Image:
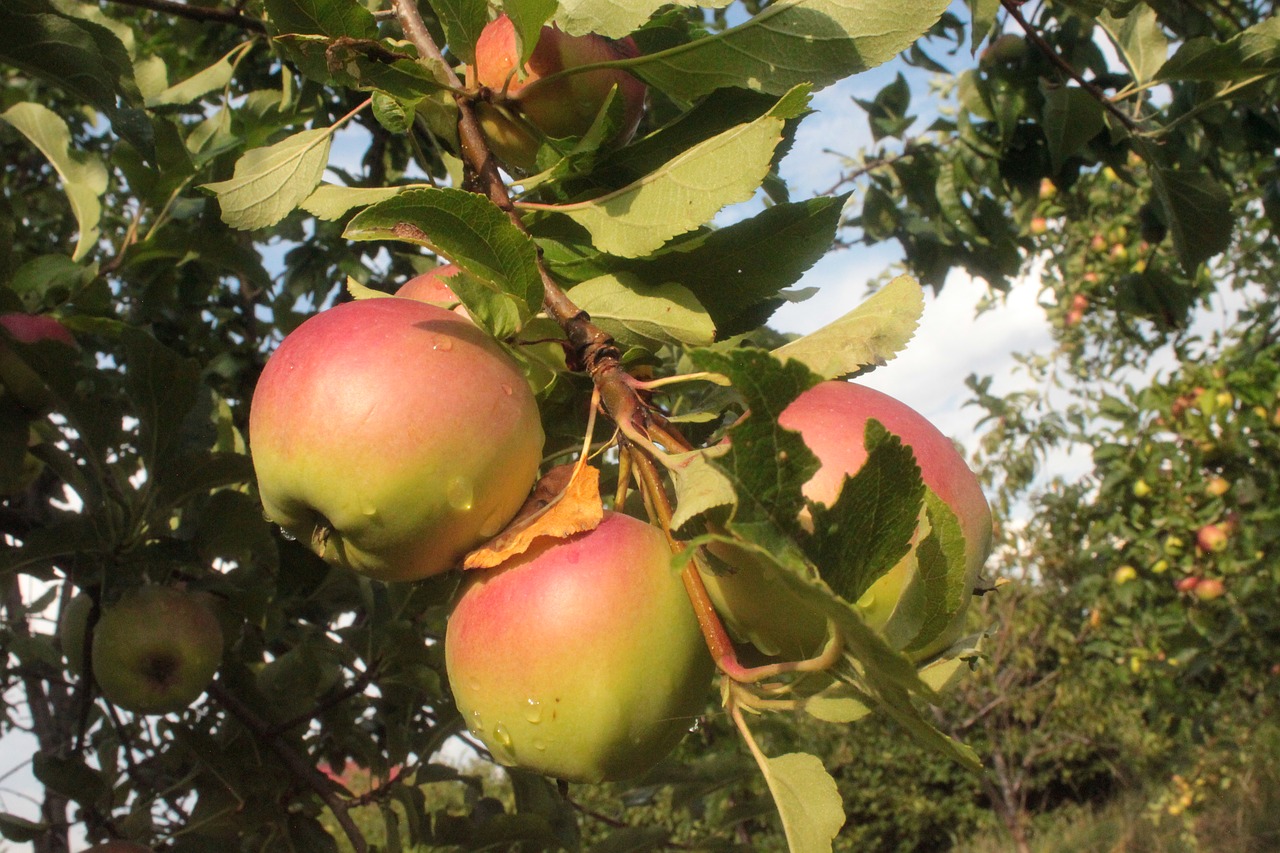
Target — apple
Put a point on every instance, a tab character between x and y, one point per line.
156	649
1187	584
1217	487
1039	225
1213	538
1079	305
1125	574
831	418
580	659
1141	489
22	383
394	436
431	286
1209	589
565	107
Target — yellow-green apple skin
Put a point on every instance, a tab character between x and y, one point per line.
582	658
156	649
17	379
565	107
393	435
831	417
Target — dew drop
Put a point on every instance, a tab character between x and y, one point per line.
502	736
867	601
477	724
696	727
369	511
533	710
507	389
459	493
540	744
443	344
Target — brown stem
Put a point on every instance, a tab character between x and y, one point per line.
355	688
295	763
196	13
1013	7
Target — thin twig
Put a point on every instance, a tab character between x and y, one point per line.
296	764
1013	7
195	13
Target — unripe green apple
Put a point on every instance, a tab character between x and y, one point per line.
393	435
565	107
1125	574
16	376
156	649
580	659
831	418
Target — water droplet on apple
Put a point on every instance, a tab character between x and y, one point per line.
459	493
477	725
867	601
503	739
540	744
443	344
370	511
507	389
533	710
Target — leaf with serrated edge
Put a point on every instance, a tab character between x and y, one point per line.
215	77
1199	213
270	182
330	201
668	313
870	334
700	486
1139	40
688	190
789	43
807	798
84	178
360	291
616	18
466	228
940	573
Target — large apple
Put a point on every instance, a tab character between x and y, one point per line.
156	649
565	107
16	376
831	418
393	435
580	659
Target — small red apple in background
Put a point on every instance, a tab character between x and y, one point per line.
393	435
1213	538
831	418
156	649
1187	584
1209	589
16	376
1039	225
431	286
1079	305
565	107
580	659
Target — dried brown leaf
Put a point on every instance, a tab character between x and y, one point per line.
564	502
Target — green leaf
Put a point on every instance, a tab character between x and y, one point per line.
469	230
211	79
330	201
1071	118
331	18
788	44
72	778
688	190
1251	53
807	798
939	587
84	178
870	334
462	21
636	314
869	528
20	829
982	13
164	387
529	16
269	183
632	839
1140	40
394	115
616	18
700	485
1198	210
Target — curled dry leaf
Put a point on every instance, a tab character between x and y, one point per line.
564	502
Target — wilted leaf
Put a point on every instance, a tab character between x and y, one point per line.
870	334
564	502
700	486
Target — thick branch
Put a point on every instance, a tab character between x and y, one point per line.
196	13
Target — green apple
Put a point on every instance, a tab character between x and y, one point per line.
17	378
831	418
564	107
156	649
582	658
393	435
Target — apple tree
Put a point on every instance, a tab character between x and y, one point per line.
263	516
